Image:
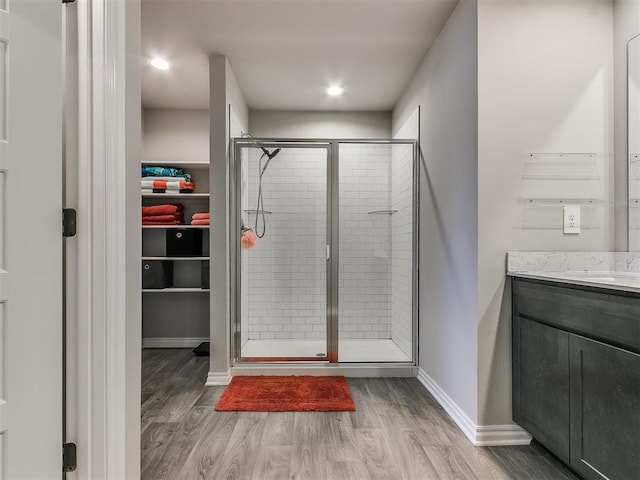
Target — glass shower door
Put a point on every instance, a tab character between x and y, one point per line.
282	254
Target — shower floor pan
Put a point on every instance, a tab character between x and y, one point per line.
350	351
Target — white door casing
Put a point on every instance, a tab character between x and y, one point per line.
30	227
106	423
4	276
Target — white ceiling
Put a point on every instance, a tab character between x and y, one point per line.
284	53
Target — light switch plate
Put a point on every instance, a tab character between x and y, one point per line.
572	219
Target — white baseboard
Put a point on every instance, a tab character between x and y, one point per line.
497	435
479	435
218	378
461	419
173	342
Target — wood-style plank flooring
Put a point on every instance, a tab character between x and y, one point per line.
397	432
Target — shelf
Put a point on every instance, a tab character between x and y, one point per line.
382	212
181	227
176	164
174	290
176	258
175	195
253	212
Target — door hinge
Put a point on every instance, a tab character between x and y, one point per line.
68	222
69	461
68	1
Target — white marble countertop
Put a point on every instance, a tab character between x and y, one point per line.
611	270
627	282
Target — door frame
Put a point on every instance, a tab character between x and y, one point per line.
235	216
106	345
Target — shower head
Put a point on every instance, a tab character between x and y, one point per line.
260	205
269	155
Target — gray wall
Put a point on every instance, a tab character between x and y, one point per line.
228	117
287	124
174	135
445	87
626	25
548	89
503	79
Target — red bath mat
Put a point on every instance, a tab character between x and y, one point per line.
286	394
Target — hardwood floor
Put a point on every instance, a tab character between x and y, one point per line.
397	432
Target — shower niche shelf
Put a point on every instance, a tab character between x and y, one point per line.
382	212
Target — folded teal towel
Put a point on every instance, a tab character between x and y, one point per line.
162	172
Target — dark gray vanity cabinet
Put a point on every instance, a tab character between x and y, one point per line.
576	375
605	410
541	384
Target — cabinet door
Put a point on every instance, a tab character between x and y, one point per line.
541	383
605	410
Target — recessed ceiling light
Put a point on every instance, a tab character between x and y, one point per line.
160	63
335	91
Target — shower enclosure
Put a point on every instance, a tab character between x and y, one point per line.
332	276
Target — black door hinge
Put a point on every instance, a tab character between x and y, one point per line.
68	222
68	1
69	461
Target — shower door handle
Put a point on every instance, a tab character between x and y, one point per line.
328	252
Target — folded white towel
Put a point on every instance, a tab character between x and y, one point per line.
168	190
168	179
171	185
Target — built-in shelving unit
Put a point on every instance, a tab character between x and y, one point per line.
179	311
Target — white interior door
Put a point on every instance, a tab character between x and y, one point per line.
30	233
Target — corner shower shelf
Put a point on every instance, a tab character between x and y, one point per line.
382	212
253	212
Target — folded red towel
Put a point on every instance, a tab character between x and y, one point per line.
164	209
174	222
162	218
200	222
200	216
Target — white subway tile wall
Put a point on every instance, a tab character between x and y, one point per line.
402	247
365	242
285	292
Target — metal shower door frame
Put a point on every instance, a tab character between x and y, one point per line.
235	216
332	239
